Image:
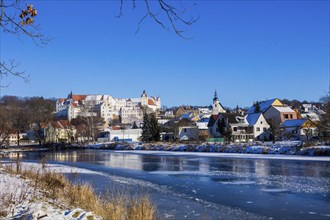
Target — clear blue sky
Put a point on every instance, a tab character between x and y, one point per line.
246	50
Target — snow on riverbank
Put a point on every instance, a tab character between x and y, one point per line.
283	147
20	200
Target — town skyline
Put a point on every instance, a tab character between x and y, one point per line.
272	50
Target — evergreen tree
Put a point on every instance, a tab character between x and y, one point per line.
155	128
146	129
257	107
134	126
150	129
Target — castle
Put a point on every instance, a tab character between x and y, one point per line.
126	110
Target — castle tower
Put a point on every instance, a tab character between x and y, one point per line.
217	107
144	99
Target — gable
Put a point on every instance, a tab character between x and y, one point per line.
277	103
252	119
213	119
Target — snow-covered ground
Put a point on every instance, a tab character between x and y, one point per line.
20	200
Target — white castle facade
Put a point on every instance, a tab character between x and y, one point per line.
127	110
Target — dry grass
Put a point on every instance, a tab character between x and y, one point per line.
110	206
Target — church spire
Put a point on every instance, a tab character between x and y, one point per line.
215	96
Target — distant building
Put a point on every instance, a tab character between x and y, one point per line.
274	109
238	127
265	105
280	113
129	135
299	129
188	133
169	114
311	112
107	107
60	131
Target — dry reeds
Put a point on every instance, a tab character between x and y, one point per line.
109	206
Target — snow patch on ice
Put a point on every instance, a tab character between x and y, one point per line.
275	190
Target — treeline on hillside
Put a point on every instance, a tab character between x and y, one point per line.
21	114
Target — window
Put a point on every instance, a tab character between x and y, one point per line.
235	128
260	122
286	116
291	116
265	129
258	129
185	130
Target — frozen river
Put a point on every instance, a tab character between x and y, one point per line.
210	186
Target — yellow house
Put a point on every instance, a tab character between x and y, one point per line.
302	129
60	131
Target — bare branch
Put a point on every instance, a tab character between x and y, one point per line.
10	69
121	9
164	13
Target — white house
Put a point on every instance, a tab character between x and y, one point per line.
188	133
128	135
259	124
241	128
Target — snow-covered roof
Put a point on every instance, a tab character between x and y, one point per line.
136	99
283	109
186	115
204	120
293	123
311	115
94	97
262	105
253	118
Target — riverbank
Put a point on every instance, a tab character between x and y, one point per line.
20	198
285	148
41	191
277	148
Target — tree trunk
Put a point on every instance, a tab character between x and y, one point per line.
18	138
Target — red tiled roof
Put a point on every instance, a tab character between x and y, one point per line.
62	124
78	97
151	102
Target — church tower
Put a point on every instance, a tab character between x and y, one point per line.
217	107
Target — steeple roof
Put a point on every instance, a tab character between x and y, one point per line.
215	96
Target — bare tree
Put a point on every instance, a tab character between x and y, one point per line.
40	111
6	124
